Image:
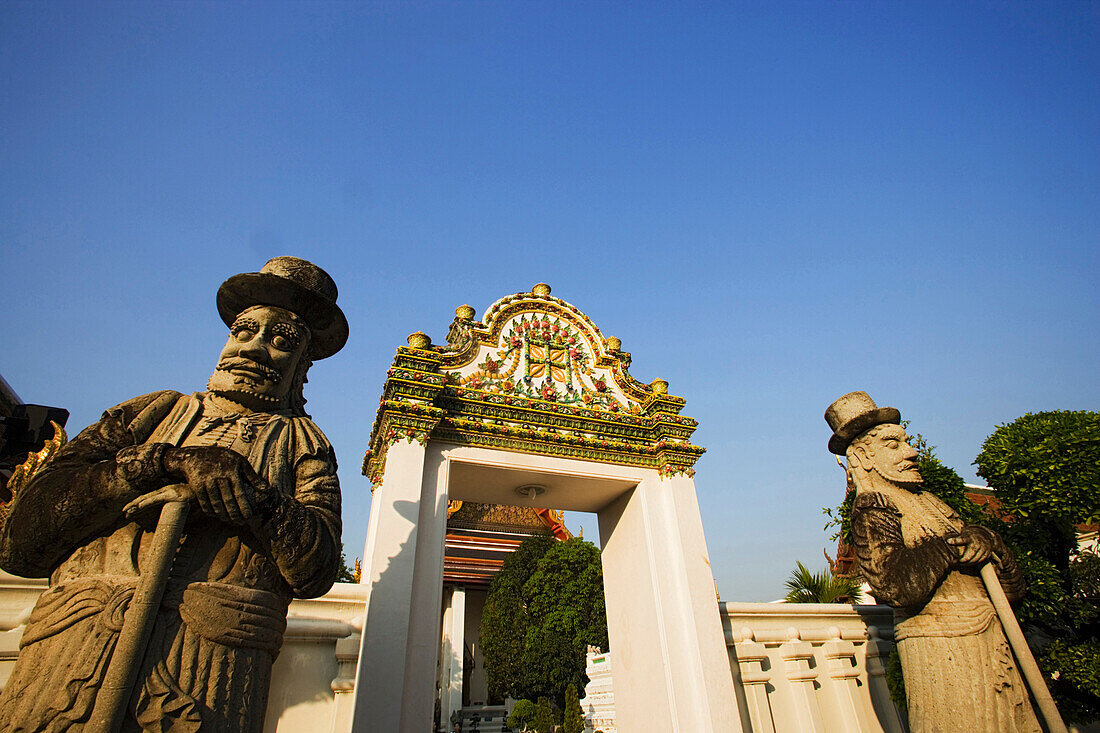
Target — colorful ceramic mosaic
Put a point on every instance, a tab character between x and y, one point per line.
534	375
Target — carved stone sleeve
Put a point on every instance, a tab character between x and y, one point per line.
81	492
302	532
903	577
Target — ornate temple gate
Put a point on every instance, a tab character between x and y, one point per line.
532	405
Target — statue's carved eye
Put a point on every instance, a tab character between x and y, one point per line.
243	334
285	337
892	445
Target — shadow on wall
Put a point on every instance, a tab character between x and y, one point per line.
304	672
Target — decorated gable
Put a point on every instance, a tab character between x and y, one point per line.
545	356
533	375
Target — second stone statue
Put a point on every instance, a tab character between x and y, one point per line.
920	558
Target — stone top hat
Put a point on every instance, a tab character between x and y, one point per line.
300	287
852	414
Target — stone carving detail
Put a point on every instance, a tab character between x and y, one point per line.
920	558
498	516
259	482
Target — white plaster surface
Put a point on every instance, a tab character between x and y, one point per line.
672	672
307	689
403	565
598	702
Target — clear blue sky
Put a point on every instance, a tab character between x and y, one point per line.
770	204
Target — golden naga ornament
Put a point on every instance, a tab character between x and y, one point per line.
26	470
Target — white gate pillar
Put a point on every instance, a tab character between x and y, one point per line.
403	564
454	646
672	671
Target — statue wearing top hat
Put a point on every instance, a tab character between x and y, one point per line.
920	558
259	525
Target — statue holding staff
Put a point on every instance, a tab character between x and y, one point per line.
258	483
919	557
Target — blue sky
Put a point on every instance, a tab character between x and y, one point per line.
770	204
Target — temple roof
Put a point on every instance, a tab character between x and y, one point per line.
505	518
534	375
481	536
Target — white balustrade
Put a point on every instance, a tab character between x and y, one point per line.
813	667
796	667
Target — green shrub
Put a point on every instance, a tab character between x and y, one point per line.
523	714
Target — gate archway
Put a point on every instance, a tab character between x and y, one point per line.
532	394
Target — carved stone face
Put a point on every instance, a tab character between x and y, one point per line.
256	367
889	454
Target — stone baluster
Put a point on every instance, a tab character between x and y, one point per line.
844	673
879	649
798	664
343	685
755	672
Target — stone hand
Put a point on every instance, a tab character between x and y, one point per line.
974	545
220	481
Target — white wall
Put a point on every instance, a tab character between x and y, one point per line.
796	667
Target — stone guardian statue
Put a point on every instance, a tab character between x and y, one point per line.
920	558
263	526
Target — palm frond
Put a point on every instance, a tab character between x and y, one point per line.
805	586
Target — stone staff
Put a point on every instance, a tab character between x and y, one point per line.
1028	667
122	670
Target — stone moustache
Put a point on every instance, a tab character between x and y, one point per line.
263	526
919	557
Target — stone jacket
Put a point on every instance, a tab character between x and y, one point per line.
900	539
68	523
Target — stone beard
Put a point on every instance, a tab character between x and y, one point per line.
263	527
919	557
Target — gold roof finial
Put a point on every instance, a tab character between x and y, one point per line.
541	289
419	340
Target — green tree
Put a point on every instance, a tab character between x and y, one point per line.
565	605
346	574
573	717
504	619
543	610
806	587
1045	468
